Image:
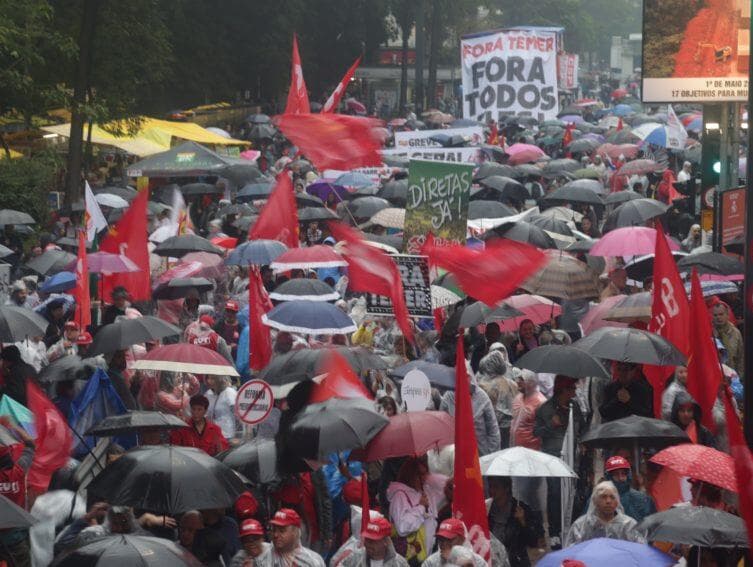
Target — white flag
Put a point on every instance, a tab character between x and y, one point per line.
677	136
95	220
567	485
180	219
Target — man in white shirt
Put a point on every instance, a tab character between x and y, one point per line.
686	173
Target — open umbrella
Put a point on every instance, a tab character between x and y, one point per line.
255	459
195	189
179	287
110	200
488	210
167	480
695	525
68	367
631	345
710	288
534	307
306	200
51	262
395	191
629	241
523	153
642	267
711	263
575	194
128	332
367	207
561	213
701	463
523	462
563	359
10	216
186	357
439	375
526	170
443	297
489	168
622	197
480	312
109	263
565	277
304	289
254	191
635	212
611	552
389	218
507	187
319	256
631	308
13	516
256	252
60	282
409	434
597	315
19	323
125	549
640	167
644	431
557	167
307	214
179	246
309	318
523	231
135	422
550	224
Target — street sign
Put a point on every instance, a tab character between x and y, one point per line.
254	402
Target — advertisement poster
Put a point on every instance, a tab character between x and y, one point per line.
696	52
733	215
414	271
437	203
509	72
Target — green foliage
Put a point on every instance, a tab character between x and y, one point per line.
24	184
664	29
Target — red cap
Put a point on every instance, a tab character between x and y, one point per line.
378	528
232	306
84	338
72	325
207	320
451	528
286	517
251	527
246	505
616	463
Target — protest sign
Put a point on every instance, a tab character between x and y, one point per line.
254	402
414	272
509	72
567	71
421	139
451	155
437	203
415	391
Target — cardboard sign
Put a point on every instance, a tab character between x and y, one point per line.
414	271
254	402
415	391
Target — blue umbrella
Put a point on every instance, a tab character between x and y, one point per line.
612	552
309	318
354	179
695	125
253	191
256	252
623	110
439	375
710	288
60	282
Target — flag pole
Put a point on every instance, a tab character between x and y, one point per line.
748	287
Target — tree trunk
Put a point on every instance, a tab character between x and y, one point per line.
420	48
4	144
436	42
73	191
404	34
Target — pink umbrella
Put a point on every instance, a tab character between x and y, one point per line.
629	241
251	155
534	307
523	153
595	318
108	263
614	151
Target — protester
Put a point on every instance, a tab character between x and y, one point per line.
286	549
730	336
201	433
686	414
450	534
377	547
221	396
636	504
254	546
513	522
629	394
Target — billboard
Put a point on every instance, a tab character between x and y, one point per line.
733	215
509	72
695	51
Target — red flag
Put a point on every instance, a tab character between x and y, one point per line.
278	219
334	99
334	141
567	137
704	370
129	237
53	441
260	342
743	458
468	503
620	126
81	292
670	314
371	270
298	96
340	381
365	508
491	274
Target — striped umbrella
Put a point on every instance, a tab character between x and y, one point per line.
636	307
564	277
710	288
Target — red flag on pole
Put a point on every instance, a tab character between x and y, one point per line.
670	314
278	219
81	292
567	137
365	507
371	270
340	381
298	96
260	342
129	237
334	99
743	458
334	141
53	441
468	503
704	370
491	274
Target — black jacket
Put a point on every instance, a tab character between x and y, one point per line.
516	537
551	436
641	400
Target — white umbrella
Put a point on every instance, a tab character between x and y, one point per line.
519	461
110	200
563	214
389	218
219	132
443	297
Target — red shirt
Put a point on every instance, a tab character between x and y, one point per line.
13	485
211	440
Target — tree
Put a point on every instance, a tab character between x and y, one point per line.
404	13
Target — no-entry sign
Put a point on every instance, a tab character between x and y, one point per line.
254	402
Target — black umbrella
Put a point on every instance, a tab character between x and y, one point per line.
244	223
641	268
254	191
590	184
711	263
333	426
558	166
128	332
195	189
261	132
9	216
394	240
13	516
125	550
134	422
583	145
69	367
396	192
695	525
507	187
563	359
522	231
255	459
179	287
631	345
439	375
307	214
526	170
259	119
51	262
19	323
447	141
241	171
634	213
256	252
622	197
581	245
238	209
306	200
367	207
550	224
304	288
482	209
574	195
490	168
167	480
179	246
644	431
480	312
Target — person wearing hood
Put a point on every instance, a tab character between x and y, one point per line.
605	518
501	390
694	238
451	533
354	542
484	417
686	414
377	547
636	504
665	191
524	407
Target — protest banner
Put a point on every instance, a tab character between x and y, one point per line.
451	155
414	272
509	72
567	71
421	139
437	203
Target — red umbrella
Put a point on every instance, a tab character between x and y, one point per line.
225	242
186	357
319	256
409	434
640	167
619	93
700	463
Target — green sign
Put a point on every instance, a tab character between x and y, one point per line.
437	203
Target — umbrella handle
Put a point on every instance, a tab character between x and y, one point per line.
85	444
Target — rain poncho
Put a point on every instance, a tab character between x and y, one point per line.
408	516
524	407
590	526
301	557
635	503
359	558
353	543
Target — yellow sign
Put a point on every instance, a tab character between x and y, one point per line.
707	220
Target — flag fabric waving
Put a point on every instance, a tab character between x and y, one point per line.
340	381
670	314
370	270
53	438
180	220
260	342
743	458
81	292
491	274
298	96
95	219
334	99
278	219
